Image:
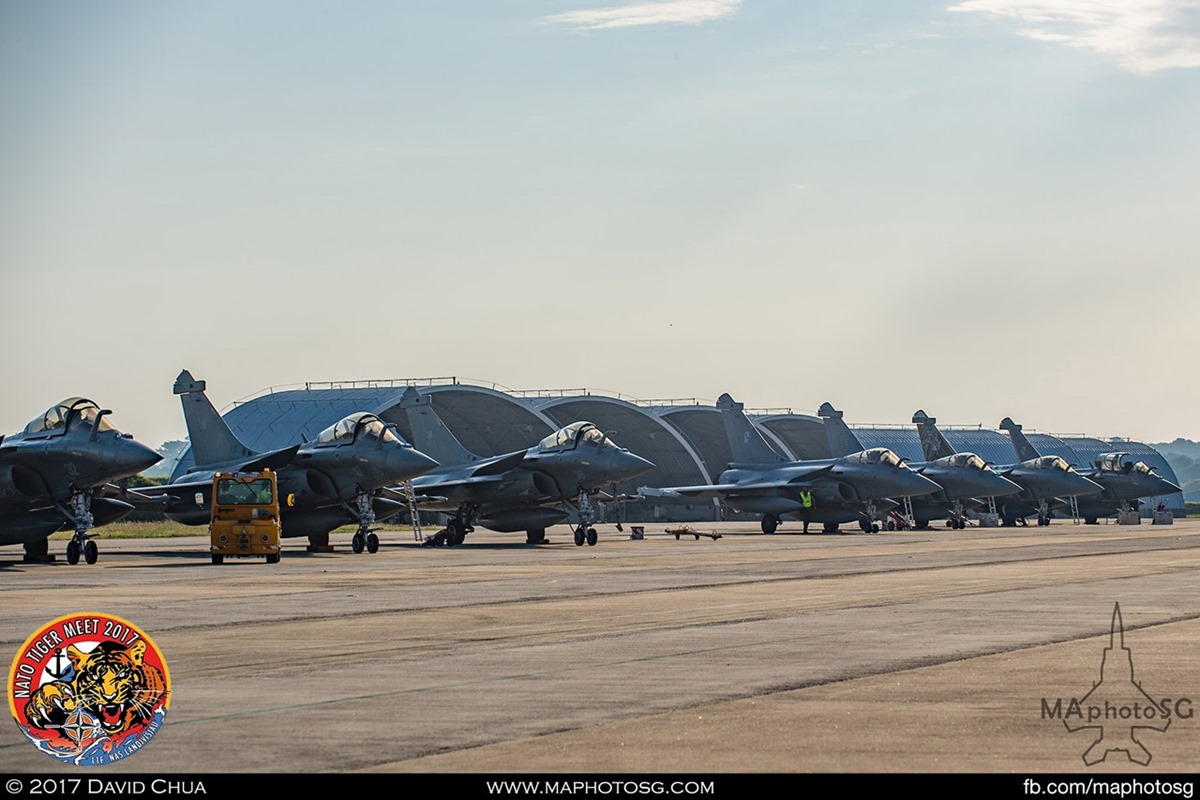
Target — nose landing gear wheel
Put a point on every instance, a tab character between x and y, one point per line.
592	537
372	543
72	552
90	552
580	536
357	543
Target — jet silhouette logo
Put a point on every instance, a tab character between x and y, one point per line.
1117	708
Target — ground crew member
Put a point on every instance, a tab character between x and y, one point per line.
806	507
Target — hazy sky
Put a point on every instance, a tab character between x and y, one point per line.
983	209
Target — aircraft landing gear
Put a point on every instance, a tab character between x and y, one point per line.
829	527
364	512
457	530
770	524
584	532
37	551
536	536
80	512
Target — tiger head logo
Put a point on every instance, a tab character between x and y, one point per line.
94	699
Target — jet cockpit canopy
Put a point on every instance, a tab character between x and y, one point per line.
361	424
876	455
66	414
574	435
1120	462
1051	462
965	461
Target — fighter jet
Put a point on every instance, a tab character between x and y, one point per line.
1124	483
963	478
527	490
1121	481
53	475
336	480
1044	481
849	488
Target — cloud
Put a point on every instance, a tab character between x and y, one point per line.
1145	36
690	12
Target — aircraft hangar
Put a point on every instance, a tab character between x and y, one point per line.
685	439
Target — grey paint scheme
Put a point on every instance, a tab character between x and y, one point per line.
332	483
964	479
527	490
54	478
758	480
1122	482
1043	482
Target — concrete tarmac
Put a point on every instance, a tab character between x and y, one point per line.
910	651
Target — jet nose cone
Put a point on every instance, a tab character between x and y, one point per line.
1163	486
998	485
907	483
133	457
408	462
628	465
1081	485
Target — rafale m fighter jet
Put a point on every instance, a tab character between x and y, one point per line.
849	488
333	481
52	475
1045	481
1122	482
962	477
967	481
527	490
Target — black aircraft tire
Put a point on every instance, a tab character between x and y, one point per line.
37	551
1091	520
372	543
592	537
770	524
90	552
357	543
830	527
72	552
579	537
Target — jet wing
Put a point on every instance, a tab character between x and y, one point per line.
717	489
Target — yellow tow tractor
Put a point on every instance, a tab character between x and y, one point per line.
245	516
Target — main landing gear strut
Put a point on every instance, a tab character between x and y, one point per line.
80	513
584	532
364	537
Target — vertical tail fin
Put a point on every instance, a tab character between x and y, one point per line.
746	443
1021	446
430	434
842	441
933	444
212	440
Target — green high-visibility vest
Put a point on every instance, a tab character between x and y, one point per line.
806	498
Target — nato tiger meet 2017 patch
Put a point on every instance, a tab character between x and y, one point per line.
89	689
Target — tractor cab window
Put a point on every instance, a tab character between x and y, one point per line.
244	493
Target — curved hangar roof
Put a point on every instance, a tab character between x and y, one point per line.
485	421
676	463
